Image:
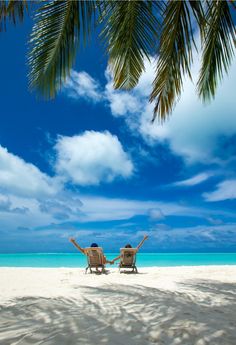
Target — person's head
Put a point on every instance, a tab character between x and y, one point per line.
94	245
128	246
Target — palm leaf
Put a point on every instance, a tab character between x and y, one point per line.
218	47
12	10
54	40
130	33
198	11
175	57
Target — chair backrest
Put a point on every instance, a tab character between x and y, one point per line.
128	256
94	256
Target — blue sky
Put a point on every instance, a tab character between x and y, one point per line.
90	164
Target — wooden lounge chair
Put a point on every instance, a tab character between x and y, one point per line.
128	259
95	259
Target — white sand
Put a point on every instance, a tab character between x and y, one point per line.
164	306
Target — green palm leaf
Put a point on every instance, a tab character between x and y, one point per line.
12	10
175	57
54	40
130	33
218	47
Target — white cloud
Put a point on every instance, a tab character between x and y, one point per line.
156	214
102	209
31	217
23	191
92	158
64	207
82	85
121	102
21	178
226	190
7	207
193	130
201	236
197	179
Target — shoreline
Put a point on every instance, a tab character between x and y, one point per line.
183	305
112	268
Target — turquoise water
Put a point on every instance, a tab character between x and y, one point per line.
143	259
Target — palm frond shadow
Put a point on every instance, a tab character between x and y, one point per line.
124	314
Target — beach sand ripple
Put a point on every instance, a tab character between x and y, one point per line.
165	306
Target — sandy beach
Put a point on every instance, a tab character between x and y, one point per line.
166	306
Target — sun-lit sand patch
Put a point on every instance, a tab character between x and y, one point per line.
167	306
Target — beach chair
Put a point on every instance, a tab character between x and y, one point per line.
95	259
128	259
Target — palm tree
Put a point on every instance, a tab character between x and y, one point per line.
131	31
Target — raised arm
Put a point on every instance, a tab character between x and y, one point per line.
72	240
141	243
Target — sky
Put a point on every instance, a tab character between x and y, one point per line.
91	165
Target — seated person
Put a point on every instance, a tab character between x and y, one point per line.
84	250
129	246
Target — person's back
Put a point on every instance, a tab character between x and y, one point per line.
95	258
95	251
130	251
127	256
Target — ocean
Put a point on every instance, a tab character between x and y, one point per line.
143	259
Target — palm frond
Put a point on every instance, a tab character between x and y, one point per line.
198	10
13	11
55	37
130	33
218	47
175	57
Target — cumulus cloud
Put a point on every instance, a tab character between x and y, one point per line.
7	207
21	178
225	190
92	158
82	85
194	131
121	102
193	181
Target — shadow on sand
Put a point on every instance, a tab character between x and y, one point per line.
123	314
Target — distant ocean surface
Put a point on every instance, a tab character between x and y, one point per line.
143	259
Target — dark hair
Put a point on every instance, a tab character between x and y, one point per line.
128	246
94	245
